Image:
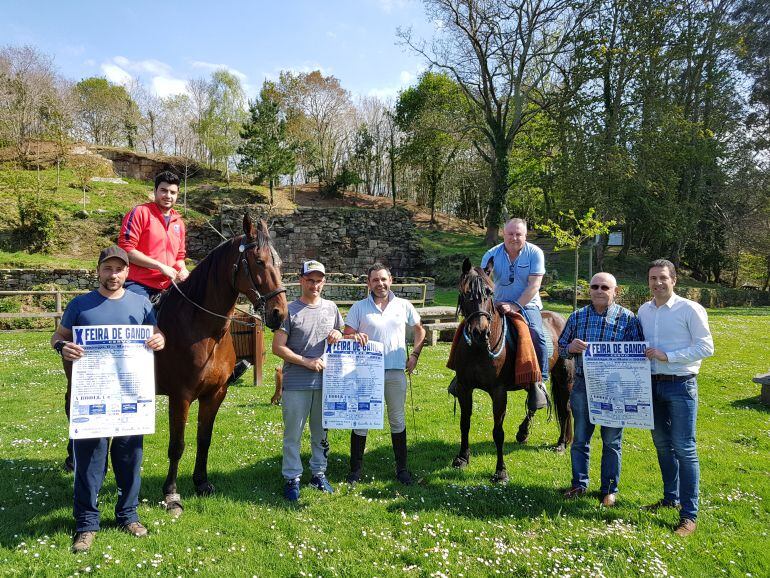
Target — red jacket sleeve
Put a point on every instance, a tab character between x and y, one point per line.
131	228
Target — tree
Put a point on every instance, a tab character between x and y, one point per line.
223	119
577	233
105	113
502	54
433	117
265	150
27	95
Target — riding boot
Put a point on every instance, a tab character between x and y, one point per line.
537	398
239	369
399	449
452	388
357	446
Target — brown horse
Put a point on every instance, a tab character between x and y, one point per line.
199	356
484	359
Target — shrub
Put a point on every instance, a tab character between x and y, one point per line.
37	229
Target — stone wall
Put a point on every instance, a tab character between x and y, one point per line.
27	279
345	240
71	279
127	163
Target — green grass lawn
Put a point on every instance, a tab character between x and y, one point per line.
453	523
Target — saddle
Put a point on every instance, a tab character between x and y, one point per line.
527	369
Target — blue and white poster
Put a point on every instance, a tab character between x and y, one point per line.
113	384
354	385
618	384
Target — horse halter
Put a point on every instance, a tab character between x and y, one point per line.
480	291
261	300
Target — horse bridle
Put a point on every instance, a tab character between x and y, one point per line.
484	294
261	300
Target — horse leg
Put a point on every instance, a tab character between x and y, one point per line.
178	408
208	407
560	391
524	427
465	397
499	405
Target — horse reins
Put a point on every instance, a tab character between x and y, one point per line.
261	300
478	290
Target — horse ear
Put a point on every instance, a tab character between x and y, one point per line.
248	227
490	266
466	266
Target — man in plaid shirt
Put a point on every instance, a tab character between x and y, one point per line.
602	320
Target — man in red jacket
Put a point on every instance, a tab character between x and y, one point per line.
153	235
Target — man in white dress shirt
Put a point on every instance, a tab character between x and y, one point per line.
678	334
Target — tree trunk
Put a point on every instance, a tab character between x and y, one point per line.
499	195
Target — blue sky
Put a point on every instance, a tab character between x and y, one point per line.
165	43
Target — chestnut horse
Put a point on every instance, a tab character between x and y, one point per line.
199	357
484	359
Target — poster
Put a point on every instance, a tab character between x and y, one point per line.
353	385
618	384
113	384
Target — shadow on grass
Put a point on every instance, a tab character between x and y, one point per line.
754	403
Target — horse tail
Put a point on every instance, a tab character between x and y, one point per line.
560	390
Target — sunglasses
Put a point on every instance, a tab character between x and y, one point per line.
602	287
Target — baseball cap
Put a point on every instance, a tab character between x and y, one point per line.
311	266
115	252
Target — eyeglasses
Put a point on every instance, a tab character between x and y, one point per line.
602	287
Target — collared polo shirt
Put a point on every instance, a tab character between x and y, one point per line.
512	277
388	326
680	328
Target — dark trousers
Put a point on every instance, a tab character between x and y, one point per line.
90	470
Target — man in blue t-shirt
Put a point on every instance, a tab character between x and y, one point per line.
518	269
110	304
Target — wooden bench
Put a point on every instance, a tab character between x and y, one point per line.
435	332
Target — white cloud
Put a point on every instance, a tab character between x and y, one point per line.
150	66
162	81
406	78
115	74
388	5
164	86
214	67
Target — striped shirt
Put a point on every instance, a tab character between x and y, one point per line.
615	324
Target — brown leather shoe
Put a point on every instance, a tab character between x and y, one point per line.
685	527
82	541
608	500
574	493
135	529
661	505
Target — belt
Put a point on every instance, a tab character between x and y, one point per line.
665	377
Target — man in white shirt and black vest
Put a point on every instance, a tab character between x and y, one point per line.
678	334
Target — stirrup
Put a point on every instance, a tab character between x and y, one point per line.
537	398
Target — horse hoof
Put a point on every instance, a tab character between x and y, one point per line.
560	448
173	503
522	436
460	462
500	477
204	489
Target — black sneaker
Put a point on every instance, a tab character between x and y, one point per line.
291	491
404	477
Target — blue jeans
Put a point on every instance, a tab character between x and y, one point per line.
580	452
140	289
90	469
675	405
535	321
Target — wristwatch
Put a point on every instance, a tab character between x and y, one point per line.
59	347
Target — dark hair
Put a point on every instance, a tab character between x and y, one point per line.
663	263
377	267
166	177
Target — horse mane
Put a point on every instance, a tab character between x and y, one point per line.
196	284
475	282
